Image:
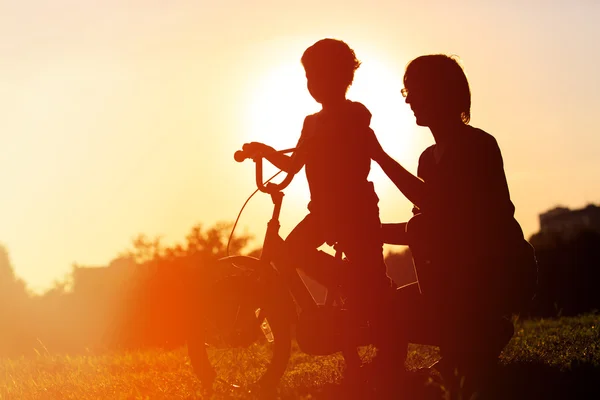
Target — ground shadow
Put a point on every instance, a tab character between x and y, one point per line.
523	380
535	380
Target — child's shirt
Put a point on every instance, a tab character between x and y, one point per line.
337	164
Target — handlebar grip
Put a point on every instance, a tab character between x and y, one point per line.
240	156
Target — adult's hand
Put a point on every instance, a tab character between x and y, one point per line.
411	186
376	152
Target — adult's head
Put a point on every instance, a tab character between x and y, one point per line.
329	65
437	90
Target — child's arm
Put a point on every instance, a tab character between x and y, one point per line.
309	129
290	164
279	160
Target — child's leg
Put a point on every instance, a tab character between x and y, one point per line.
367	278
371	294
306	235
361	240
301	246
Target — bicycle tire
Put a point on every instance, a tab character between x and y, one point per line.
247	291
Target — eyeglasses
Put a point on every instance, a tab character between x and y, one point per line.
404	92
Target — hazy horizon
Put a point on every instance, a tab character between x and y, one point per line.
120	119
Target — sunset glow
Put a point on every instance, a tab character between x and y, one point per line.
278	101
120	119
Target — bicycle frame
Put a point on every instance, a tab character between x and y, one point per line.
281	289
290	278
394	234
290	275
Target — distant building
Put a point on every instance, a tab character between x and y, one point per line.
567	222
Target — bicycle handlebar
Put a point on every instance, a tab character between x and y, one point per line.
241	156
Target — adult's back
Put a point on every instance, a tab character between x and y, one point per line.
471	221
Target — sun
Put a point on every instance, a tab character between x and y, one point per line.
277	107
378	86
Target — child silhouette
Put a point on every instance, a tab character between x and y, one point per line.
333	148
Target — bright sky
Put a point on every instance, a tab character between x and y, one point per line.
121	118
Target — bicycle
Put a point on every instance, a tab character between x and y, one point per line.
254	305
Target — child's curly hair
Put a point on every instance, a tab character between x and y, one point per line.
333	56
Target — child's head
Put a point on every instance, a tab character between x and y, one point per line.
329	65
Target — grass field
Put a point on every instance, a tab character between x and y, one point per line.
547	359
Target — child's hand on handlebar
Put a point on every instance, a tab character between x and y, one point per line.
256	149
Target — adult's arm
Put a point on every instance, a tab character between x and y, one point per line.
411	186
394	234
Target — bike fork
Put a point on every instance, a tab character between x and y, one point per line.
273	243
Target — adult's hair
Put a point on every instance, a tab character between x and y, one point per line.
332	56
441	76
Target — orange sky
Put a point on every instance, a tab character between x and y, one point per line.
119	119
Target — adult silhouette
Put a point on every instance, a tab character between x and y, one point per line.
474	266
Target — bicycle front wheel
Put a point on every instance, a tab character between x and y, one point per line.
242	336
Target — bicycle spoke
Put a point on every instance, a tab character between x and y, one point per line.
232	363
240	342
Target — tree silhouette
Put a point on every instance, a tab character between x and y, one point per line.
14	305
204	244
166	285
569	272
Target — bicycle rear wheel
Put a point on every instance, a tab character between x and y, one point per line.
241	337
